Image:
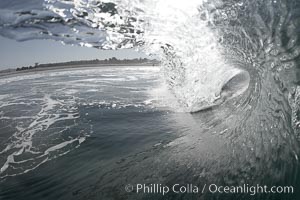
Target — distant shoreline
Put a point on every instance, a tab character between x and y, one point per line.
36	70
78	64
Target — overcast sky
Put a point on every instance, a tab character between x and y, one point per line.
17	54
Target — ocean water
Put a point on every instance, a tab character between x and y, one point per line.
223	107
76	126
87	133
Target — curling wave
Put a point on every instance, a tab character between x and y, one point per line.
242	55
181	34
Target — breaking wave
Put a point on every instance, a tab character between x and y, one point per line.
202	44
212	52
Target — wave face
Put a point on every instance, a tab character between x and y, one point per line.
202	44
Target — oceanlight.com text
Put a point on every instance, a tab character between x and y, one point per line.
211	188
